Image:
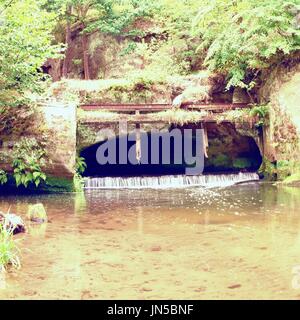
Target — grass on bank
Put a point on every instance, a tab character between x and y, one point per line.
9	252
294	178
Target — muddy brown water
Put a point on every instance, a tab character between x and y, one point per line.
240	242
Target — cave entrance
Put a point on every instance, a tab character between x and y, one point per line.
231	151
228	152
171	152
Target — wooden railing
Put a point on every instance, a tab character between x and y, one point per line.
214	107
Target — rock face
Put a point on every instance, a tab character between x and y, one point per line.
60	121
198	88
240	96
179	90
229	150
113	91
191	95
108	57
281	91
12	223
53	126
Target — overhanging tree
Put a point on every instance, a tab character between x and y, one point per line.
25	44
243	37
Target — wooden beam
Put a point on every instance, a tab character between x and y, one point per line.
162	107
145	121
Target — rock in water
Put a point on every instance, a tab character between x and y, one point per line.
37	213
12	223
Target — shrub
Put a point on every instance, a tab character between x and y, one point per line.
80	165
78	182
3	177
8	249
242	38
262	113
28	157
221	160
241	163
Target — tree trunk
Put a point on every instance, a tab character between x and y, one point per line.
68	43
85	51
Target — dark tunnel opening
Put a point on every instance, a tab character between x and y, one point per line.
228	152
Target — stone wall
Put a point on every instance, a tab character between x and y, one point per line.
60	121
89	134
53	126
281	91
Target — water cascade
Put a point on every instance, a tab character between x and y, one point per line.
171	181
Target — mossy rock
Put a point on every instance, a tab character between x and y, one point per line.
268	170
37	213
221	160
58	184
242	163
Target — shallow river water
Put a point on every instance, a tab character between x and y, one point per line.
195	243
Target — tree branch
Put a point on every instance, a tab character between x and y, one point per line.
7	5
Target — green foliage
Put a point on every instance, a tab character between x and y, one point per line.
3	177
175	19
25	44
286	168
78	183
241	163
107	16
163	24
77	62
137	88
8	250
80	165
58	184
160	60
28	158
241	38
262	113
293	179
167	47
221	160
115	16
268	170
131	47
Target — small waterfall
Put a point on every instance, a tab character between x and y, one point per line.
165	182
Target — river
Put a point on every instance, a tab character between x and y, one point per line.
236	242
